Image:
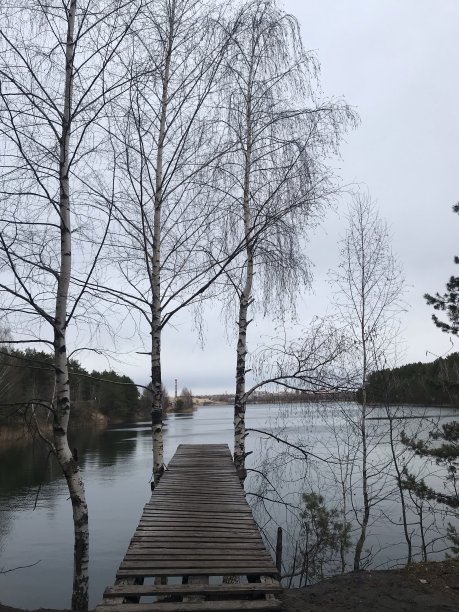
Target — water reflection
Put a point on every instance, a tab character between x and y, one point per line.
26	467
35	515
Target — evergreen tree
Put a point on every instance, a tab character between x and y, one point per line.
446	452
430	384
325	535
27	383
448	302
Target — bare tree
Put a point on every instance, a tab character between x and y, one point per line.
58	69
369	285
275	176
163	132
186	399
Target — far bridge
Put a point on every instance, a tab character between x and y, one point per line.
197	547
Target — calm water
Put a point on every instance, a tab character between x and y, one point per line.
116	465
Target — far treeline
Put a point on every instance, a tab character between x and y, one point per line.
434	383
27	378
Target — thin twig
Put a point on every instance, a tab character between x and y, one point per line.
13	569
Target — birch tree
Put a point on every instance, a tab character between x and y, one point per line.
164	136
58	69
275	176
369	284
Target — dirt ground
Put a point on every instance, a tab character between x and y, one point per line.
422	587
419	587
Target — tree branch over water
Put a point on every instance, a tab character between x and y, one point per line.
306	454
14	569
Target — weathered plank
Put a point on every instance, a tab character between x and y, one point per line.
197	534
203	549
196	507
185	570
261	605
200	606
242	551
204	563
144	590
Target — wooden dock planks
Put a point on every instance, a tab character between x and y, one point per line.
197	524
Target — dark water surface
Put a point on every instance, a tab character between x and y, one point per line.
116	465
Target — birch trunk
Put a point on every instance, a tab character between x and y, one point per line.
400	489
366	501
244	302
240	400
363	416
155	280
62	399
156	380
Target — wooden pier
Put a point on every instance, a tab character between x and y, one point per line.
197	547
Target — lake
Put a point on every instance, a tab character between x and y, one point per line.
35	514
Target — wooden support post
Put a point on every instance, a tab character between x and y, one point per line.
124	599
199	579
279	551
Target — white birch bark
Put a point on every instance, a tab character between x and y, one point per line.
51	111
165	138
241	355
157	412
244	298
275	167
363	414
62	396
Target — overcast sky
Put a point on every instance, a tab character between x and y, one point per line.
397	63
